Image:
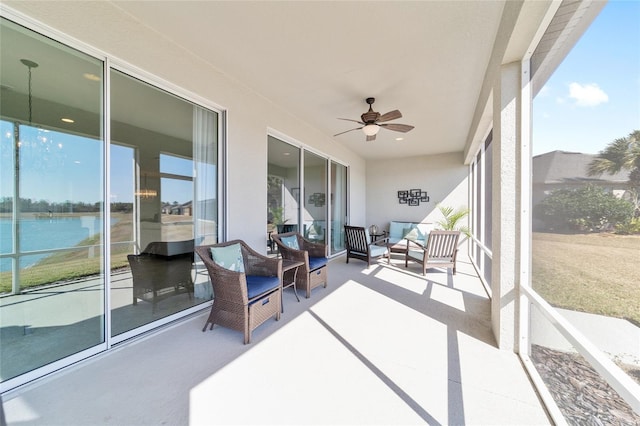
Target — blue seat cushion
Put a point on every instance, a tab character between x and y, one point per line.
317	262
257	284
377	250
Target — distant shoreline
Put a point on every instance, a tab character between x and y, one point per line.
53	215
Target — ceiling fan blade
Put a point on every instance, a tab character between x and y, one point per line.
371	138
397	127
346	131
348	119
391	115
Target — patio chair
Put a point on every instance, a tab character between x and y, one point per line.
440	250
160	266
359	245
293	246
247	286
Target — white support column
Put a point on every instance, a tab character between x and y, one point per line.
506	228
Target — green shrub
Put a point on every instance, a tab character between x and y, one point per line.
584	209
631	227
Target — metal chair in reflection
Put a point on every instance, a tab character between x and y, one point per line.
161	266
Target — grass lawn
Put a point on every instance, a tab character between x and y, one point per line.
595	273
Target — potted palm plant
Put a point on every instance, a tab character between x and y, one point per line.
452	219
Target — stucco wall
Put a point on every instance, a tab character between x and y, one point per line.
443	177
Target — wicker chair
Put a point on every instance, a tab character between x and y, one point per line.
359	244
243	301
314	256
440	250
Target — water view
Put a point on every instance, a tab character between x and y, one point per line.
46	233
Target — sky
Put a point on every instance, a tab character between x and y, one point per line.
593	97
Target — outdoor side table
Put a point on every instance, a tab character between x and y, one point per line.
376	237
289	279
400	247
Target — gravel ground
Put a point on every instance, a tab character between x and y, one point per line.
584	398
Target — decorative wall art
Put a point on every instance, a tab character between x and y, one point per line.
412	197
317	199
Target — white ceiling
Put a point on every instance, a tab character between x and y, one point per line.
321	60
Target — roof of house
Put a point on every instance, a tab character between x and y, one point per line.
565	167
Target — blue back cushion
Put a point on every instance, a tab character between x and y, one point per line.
291	242
229	257
396	228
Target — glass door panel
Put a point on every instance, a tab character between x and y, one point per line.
52	284
169	140
314	225
283	189
338	206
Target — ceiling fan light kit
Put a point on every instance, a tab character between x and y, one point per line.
371	129
371	120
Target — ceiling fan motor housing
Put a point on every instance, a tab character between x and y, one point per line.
370	116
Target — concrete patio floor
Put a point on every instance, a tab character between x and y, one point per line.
380	345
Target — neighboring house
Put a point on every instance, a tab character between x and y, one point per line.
181	209
562	169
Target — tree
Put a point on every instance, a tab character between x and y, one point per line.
621	154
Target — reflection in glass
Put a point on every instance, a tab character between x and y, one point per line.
51	195
315	198
283	188
158	160
338	206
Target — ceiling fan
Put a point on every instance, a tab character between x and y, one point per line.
372	122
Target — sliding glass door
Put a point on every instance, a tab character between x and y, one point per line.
52	281
74	204
315	198
154	203
283	189
338	206
287	167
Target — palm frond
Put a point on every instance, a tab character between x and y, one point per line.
451	219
